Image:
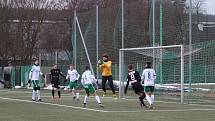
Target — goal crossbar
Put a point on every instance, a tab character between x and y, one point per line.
147	48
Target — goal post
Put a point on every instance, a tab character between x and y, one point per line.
169	67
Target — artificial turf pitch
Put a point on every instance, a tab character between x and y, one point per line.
16	105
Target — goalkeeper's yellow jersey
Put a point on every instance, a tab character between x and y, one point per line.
106	68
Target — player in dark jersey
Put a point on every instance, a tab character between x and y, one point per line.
55	81
135	79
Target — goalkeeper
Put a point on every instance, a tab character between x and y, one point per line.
105	67
88	80
135	79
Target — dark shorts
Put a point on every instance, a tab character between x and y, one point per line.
56	84
7	77
105	78
149	89
138	88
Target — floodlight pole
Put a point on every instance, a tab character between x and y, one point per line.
190	46
40	59
153	30
97	39
122	23
56	57
121	55
75	40
182	74
161	41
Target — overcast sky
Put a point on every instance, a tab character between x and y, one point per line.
210	6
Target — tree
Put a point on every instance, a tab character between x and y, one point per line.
21	26
198	7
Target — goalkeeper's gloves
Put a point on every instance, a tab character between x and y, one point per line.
100	62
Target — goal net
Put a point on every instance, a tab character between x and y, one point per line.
168	63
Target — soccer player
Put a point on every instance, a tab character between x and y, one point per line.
54	76
87	80
34	77
149	77
105	67
135	79
7	75
73	76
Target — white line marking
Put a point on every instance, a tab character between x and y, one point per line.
179	103
67	106
110	111
180	110
90	109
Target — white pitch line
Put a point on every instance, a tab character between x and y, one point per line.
113	111
10	91
180	104
64	96
180	110
124	111
67	106
90	109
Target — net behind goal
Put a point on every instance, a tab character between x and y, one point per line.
168	63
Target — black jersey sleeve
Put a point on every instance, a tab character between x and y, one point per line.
61	73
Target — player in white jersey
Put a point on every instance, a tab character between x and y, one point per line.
34	78
73	76
88	80
149	77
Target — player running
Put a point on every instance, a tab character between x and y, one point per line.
73	76
135	79
55	81
149	77
87	80
34	77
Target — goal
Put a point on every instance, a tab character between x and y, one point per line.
168	62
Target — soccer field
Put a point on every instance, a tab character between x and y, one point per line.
16	105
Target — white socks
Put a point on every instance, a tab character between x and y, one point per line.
149	99
73	94
85	99
97	99
38	94
77	95
34	95
152	98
